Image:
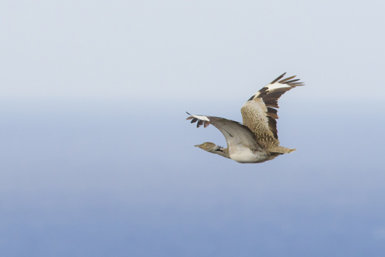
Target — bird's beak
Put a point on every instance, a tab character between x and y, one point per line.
196	145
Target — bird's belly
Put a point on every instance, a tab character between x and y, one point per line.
244	155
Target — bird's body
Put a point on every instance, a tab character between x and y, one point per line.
244	154
256	140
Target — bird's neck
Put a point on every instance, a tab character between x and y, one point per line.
221	151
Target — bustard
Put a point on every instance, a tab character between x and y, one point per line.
256	140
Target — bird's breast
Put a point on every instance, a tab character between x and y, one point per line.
244	154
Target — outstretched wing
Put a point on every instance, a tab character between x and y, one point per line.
260	112
234	132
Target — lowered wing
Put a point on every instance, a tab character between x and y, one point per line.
234	132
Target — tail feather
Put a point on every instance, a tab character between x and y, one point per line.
281	150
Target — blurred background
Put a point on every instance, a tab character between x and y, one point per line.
98	160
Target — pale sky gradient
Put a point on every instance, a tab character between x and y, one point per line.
98	160
162	50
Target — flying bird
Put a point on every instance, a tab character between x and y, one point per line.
256	140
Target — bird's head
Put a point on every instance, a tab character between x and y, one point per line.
207	146
213	148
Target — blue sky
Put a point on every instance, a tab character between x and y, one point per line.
98	160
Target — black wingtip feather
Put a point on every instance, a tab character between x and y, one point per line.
278	78
284	81
291	81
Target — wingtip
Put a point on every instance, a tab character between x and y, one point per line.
278	78
189	117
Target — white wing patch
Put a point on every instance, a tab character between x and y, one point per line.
202	120
275	86
271	87
200	117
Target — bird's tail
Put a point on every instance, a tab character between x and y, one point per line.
281	150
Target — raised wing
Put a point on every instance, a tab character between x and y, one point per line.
260	112
234	132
